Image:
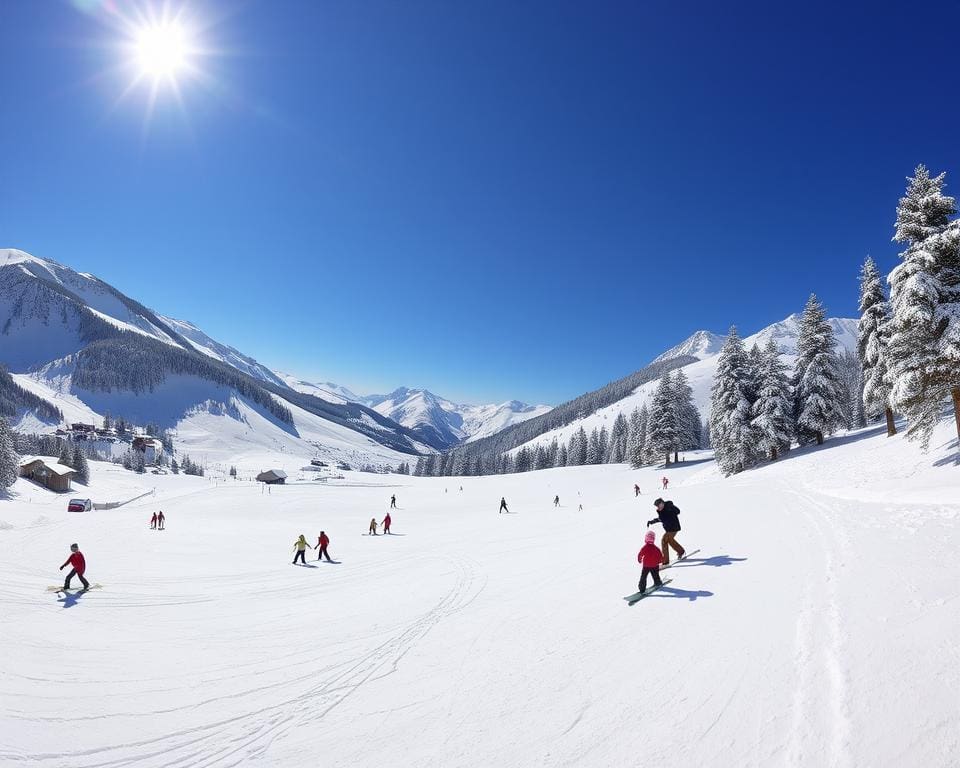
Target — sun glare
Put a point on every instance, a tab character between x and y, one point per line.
162	50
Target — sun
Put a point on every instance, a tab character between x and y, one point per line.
162	50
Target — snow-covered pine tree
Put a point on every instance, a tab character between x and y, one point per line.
872	339
604	444
79	462
561	460
174	467
664	430
635	440
689	424
731	429
540	458
618	440
773	409
9	460
66	454
140	464
580	458
923	358
593	447
817	387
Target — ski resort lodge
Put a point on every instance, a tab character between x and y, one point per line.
47	472
272	477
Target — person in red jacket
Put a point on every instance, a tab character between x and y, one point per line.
153	520
322	541
650	558
79	565
386	523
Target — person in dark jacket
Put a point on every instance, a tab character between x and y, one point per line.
668	516
503	505
77	567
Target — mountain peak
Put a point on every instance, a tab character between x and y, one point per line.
700	345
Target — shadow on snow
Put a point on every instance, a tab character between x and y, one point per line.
716	561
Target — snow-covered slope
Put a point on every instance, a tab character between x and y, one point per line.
701	372
66	337
325	390
428	414
816	626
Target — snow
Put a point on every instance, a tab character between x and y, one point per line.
701	374
325	390
817	626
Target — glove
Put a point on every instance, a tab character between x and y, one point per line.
61	567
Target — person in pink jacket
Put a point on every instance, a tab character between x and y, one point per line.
650	558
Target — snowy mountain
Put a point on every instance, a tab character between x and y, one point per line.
697	356
76	342
700	345
439	420
325	390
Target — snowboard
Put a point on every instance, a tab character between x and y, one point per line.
679	559
74	589
638	596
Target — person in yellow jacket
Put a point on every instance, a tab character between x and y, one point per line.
300	545
372	531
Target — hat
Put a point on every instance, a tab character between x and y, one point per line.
658	501
74	547
650	537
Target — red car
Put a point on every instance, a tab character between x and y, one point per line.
79	505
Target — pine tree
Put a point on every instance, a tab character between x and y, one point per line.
79	462
561	460
923	357
66	454
603	445
731	428
594	456
773	409
618	440
578	450
690	426
9	460
664	431
872	339
817	388
174	467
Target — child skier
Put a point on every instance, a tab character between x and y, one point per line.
386	523
649	558
372	530
153	520
636	490
556	501
300	545
665	482
322	541
393	502
78	566
160	520
503	505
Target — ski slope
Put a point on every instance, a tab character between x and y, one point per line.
817	627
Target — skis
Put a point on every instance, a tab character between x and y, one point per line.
636	597
74	589
679	559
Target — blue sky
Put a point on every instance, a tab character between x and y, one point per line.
495	200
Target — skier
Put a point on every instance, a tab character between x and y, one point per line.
556	501
300	545
322	541
636	490
77	567
160	520
386	523
649	558
393	502
372	531
503	505
665	482
668	516
153	520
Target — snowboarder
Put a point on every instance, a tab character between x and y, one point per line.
503	504
322	541
636	490
160	520
386	523
668	516
393	502
77	567
372	530
153	520
300	545
665	482
649	558
556	501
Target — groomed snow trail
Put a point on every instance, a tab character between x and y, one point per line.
813	628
